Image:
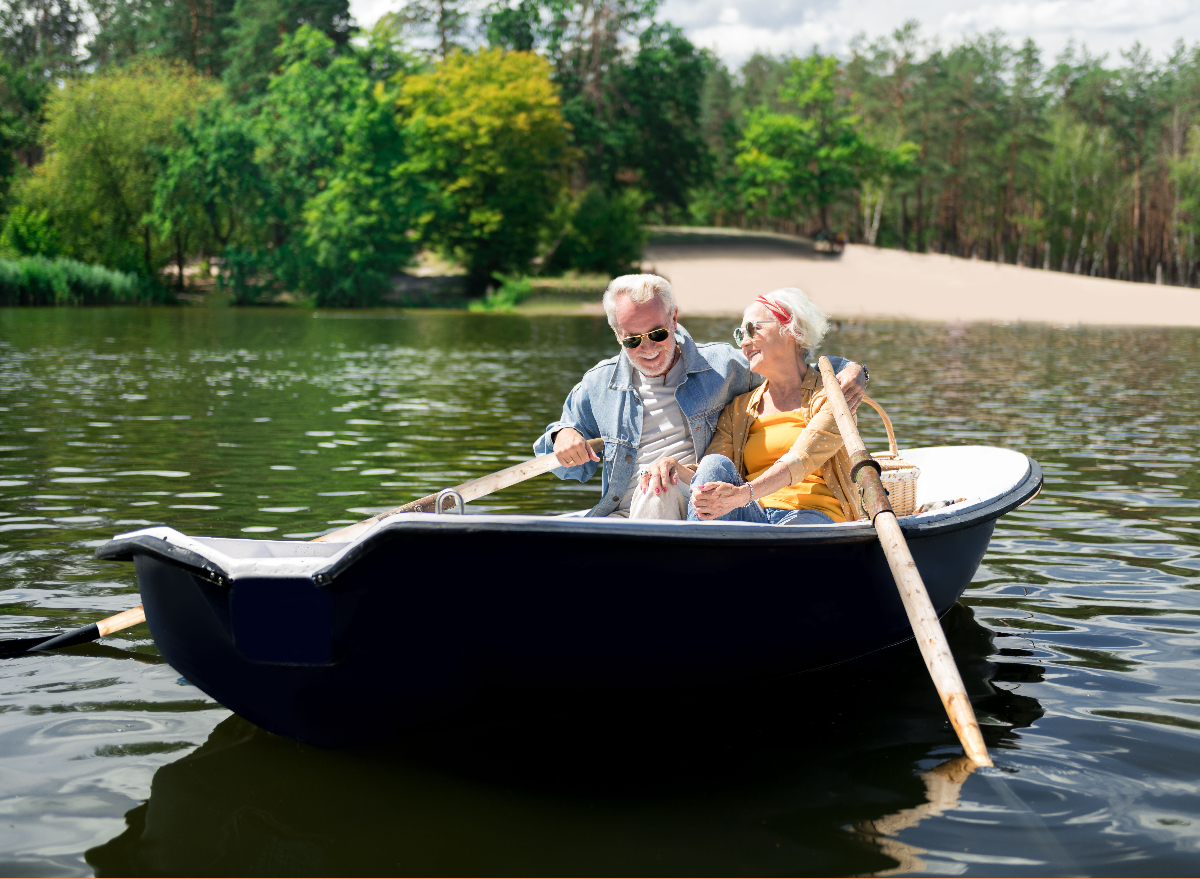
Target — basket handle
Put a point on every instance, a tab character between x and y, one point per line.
887	422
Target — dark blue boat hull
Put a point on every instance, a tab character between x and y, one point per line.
419	615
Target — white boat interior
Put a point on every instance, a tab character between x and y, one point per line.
971	476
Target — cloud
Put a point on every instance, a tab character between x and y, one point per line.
1070	16
735	29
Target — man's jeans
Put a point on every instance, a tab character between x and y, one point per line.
718	468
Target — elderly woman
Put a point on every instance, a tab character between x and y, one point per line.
775	454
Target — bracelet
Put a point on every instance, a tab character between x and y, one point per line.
751	487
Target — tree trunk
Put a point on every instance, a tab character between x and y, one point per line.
1136	273
179	258
920	242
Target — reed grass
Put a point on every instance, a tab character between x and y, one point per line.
38	280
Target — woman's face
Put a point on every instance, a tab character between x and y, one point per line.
770	353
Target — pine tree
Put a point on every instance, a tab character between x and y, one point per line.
443	23
194	31
258	28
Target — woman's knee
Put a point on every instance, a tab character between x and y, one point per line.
716	468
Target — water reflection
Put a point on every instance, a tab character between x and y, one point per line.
809	774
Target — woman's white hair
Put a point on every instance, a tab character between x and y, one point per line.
808	324
639	289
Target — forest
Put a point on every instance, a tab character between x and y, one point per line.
279	147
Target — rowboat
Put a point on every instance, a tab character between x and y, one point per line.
335	643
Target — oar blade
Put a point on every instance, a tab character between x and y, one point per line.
17	646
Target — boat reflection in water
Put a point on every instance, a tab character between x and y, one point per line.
807	774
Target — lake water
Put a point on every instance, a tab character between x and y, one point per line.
1077	638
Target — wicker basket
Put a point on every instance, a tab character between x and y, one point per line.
899	477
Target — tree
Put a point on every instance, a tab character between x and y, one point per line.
210	192
440	22
358	227
38	40
514	27
40	36
104	136
194	31
259	26
603	233
661	139
334	220
811	158
488	137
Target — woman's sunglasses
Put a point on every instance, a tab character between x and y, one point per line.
749	330
659	335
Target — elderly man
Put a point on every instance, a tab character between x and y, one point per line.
661	397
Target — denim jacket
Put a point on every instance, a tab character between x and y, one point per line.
605	404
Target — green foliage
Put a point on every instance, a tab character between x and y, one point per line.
40	37
442	23
630	86
37	280
259	27
790	162
209	185
332	154
489	139
38	42
194	33
103	137
1185	172
660	132
323	165
515	27
601	233
28	232
511	293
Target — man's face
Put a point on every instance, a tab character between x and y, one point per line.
649	358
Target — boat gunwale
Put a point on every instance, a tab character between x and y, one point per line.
677	533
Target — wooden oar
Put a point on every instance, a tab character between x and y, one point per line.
472	490
921	615
123	620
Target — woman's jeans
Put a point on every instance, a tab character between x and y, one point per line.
718	468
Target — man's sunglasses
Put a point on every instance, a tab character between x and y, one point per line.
659	335
749	330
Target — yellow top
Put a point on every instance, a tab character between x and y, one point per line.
770	438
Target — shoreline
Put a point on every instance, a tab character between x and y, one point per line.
720	275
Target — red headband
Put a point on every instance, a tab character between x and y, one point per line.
780	315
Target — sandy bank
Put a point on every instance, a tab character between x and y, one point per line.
718	273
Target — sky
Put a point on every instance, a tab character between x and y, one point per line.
737	28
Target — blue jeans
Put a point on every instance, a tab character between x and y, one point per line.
718	468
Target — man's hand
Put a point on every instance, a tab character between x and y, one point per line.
853	381
572	449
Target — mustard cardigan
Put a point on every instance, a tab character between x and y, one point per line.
819	446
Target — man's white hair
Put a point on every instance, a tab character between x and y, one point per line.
808	324
639	289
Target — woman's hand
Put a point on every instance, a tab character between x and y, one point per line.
714	499
662	474
853	381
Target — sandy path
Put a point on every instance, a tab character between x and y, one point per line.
717	274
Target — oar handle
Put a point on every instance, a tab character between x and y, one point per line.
124	620
469	491
921	614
